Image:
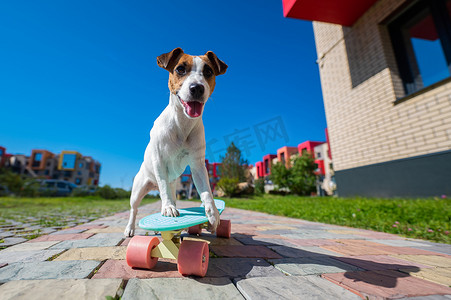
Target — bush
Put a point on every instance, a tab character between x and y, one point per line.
259	186
299	179
229	186
107	192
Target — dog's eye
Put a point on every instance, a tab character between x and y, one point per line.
208	72
180	70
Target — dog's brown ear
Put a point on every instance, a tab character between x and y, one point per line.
169	60
218	65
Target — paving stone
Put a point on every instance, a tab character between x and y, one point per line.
62	237
378	235
313	242
430	260
244	251
88	243
10	257
47	230
309	287
93	253
108	235
437	275
407	251
431	297
212	240
303	251
344	231
241	267
434	247
33	227
60	289
318	235
355	250
30	246
311	265
10	241
6	234
401	243
386	284
274	227
47	270
125	242
69	231
258	240
380	262
387	248
119	269
181	288
89	226
110	229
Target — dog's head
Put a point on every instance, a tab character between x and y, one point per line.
191	78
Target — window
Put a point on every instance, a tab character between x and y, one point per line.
282	157
69	161
80	165
318	154
37	160
78	181
421	38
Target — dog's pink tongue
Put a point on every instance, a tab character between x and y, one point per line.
194	109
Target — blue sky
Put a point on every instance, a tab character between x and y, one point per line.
82	75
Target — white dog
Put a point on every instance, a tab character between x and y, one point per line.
177	138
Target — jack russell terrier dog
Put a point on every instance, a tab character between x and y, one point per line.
177	138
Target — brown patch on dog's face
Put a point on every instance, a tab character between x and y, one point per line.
179	73
209	73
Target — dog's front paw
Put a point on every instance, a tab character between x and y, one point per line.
169	211
213	217
129	231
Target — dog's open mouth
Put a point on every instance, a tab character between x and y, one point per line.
193	108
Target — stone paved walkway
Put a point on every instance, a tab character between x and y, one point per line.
268	257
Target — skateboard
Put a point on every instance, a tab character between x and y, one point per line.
192	256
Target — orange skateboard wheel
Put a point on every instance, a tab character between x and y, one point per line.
224	229
193	258
139	252
194	230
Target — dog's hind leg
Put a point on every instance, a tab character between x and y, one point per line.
141	186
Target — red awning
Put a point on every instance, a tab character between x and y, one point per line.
342	12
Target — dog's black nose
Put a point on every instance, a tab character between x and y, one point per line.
196	90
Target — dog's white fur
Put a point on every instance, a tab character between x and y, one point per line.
176	140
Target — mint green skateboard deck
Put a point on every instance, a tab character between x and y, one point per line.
188	217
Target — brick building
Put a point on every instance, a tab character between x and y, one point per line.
385	75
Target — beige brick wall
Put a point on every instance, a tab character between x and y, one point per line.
360	82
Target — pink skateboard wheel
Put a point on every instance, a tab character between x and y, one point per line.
139	252
193	258
194	230
224	229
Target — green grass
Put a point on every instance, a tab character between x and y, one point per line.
428	219
59	212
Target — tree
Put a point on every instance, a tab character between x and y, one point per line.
299	179
232	171
233	165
